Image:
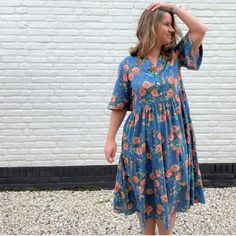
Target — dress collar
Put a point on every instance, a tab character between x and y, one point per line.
147	65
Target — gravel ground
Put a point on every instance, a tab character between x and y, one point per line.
74	212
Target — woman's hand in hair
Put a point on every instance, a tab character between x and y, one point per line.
162	5
197	29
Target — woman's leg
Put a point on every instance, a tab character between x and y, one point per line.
150	227
150	223
161	229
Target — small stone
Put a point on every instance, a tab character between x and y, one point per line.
77	212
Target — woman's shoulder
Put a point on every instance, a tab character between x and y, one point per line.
129	59
129	62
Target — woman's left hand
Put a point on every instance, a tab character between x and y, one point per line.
163	5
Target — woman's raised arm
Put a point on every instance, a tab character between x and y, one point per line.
196	28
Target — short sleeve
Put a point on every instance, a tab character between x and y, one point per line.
121	97
184	51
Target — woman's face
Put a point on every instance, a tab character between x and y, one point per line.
164	30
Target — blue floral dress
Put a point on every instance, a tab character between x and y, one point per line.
158	171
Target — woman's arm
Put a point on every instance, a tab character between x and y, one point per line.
196	28
116	119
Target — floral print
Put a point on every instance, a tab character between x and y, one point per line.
158	171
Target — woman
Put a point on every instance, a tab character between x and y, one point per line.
158	172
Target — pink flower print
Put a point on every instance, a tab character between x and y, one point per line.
168	173
178	150
149	155
179	76
135	70
158	148
124	174
190	126
159	107
198	171
159	135
178	176
159	209
196	201
171	80
152	176
125	77
119	166
187	162
167	113
132	123
113	98
155	93
156	183
156	68
180	135
123	194
142	91
151	116
131	76
120	105
141	189
149	191
126	160
170	93
124	137
162	117
174	57
176	84
164	198
148	209
136	118
125	146
129	205
135	179
143	182
177	98
174	168
191	63
117	187
178	109
136	140
171	136
158	173
144	147
199	182
126	67
188	140
175	128
147	84
139	150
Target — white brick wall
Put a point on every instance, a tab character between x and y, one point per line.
58	65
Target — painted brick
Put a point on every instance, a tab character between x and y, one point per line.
58	66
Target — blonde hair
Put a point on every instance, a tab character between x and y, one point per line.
147	37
